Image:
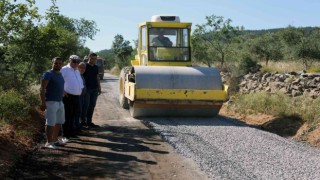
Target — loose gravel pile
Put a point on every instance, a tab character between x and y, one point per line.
226	149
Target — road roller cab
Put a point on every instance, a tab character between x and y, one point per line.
162	81
165	41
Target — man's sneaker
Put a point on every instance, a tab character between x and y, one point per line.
93	125
50	146
59	143
64	140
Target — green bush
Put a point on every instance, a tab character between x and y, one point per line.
247	64
32	98
12	106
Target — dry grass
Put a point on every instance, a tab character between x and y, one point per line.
278	105
115	71
288	66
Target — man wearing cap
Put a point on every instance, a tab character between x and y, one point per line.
72	90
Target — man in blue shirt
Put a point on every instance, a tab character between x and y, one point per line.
51	93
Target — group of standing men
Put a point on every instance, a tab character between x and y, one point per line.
68	96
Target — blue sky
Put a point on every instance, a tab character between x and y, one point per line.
122	16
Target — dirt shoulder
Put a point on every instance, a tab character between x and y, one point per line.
291	128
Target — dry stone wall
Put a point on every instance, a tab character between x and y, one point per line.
293	84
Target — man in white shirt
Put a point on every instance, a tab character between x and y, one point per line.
72	90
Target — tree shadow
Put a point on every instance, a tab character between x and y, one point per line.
218	120
286	126
109	79
105	152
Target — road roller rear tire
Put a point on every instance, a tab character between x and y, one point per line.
124	102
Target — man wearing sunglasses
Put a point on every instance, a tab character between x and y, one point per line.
72	90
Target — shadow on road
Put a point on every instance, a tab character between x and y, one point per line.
104	152
194	121
106	80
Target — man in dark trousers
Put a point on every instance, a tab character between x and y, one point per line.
72	87
93	89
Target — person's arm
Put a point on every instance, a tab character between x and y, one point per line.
44	84
153	42
98	84
98	81
169	43
63	72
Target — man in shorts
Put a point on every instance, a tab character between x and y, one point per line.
51	93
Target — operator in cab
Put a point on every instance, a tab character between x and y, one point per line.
161	40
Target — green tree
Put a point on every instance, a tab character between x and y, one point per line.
108	56
201	53
303	44
122	49
83	51
16	18
214	37
27	47
17	22
308	50
267	47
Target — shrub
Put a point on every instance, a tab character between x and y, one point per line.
308	108
32	98
12	106
233	86
247	64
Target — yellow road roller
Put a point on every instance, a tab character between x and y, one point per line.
162	80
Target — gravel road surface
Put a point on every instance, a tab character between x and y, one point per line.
226	149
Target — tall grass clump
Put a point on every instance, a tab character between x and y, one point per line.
261	102
308	108
278	104
13	107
